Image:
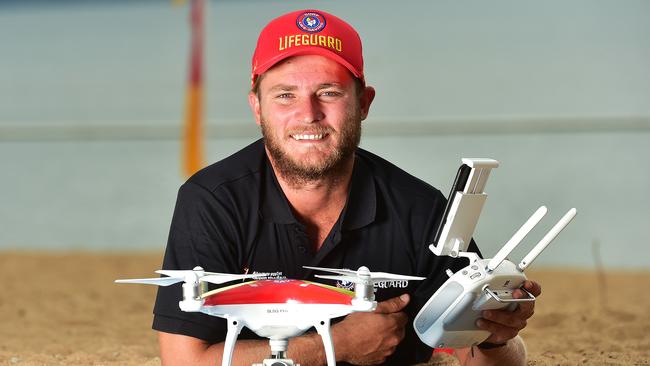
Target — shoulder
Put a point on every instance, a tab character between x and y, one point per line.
395	181
216	208
244	165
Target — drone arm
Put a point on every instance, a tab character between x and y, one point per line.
234	327
323	328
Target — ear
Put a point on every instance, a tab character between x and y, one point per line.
254	103
365	100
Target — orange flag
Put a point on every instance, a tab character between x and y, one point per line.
193	128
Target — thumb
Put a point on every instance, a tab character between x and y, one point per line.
393	305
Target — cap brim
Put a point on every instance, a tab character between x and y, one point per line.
307	51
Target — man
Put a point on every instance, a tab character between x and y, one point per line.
307	195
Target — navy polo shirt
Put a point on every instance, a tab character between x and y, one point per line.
233	217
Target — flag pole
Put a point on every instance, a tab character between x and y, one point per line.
192	159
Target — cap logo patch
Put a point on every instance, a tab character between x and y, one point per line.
311	22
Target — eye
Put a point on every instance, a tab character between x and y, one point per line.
284	96
331	93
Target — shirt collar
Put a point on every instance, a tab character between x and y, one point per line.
359	211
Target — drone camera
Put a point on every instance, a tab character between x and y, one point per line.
276	362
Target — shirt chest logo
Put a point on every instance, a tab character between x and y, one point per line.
382	285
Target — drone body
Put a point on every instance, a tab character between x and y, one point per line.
277	309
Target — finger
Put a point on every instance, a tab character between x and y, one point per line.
514	320
519	294
400	318
525	309
398	326
533	287
389	351
393	340
393	305
499	332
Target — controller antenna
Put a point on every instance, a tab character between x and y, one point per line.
516	239
530	257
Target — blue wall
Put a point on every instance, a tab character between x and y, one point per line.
91	99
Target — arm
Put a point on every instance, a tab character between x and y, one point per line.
360	338
369	338
504	326
513	353
176	349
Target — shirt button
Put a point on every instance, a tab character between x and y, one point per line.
302	249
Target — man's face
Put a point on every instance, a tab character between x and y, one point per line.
310	114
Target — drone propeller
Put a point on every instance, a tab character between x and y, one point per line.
192	275
362	275
160	281
219	278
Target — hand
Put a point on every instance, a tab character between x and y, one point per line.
504	324
368	338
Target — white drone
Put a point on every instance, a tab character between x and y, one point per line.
277	309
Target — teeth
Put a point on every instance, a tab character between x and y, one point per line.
308	137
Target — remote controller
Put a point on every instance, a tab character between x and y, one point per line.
448	319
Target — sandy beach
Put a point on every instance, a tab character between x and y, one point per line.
63	309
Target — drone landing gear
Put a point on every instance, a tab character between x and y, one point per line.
323	328
234	328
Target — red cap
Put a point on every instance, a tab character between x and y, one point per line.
308	32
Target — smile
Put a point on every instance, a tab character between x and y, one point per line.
308	137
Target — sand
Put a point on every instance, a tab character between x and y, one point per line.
63	309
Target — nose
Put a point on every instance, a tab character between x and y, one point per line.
309	110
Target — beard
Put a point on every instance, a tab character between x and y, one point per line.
330	166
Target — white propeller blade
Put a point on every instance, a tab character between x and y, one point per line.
334	270
160	281
354	279
384	276
180	275
376	277
219	278
362	275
